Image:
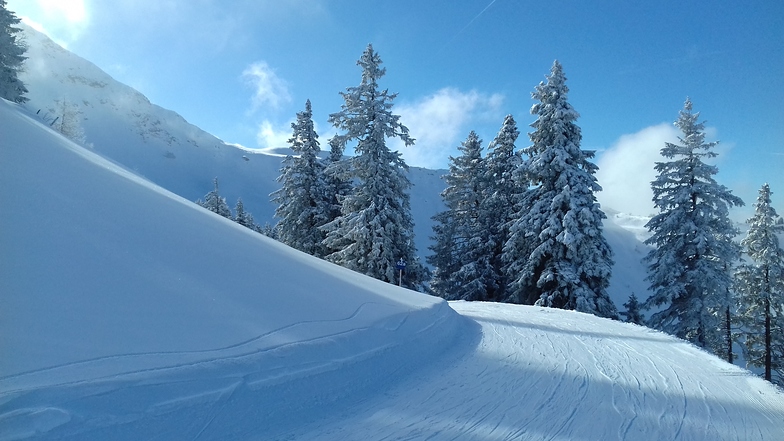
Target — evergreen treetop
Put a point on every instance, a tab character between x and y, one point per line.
463	271
303	203
692	236
12	57
214	202
375	227
557	255
760	289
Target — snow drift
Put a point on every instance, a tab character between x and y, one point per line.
108	279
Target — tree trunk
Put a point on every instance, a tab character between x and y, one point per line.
767	339
729	336
767	326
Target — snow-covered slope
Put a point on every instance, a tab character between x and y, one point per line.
106	278
544	374
126	313
121	124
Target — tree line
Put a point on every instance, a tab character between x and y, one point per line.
524	226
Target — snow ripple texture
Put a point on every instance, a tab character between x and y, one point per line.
543	374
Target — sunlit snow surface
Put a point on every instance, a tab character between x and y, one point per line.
128	313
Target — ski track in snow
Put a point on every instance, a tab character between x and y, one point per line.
257	345
522	383
508	373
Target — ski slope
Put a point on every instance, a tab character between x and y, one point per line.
127	313
536	373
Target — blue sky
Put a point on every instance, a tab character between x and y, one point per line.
241	69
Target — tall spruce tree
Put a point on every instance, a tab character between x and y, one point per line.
375	227
303	204
557	254
500	194
760	288
692	235
11	57
462	271
216	203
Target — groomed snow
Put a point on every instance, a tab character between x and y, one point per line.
129	313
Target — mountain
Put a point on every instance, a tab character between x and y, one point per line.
158	144
122	125
127	312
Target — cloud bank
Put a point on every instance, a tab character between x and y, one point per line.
439	122
627	168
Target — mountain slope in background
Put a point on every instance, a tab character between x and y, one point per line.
158	144
127	312
108	281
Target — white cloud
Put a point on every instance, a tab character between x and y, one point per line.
270	136
269	89
627	168
440	121
62	20
73	11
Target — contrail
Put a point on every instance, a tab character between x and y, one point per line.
469	24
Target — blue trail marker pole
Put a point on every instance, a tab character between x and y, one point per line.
401	265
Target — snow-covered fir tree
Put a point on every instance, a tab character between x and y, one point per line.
462	270
12	57
760	289
632	314
302	200
337	178
500	194
243	217
214	202
69	121
692	235
375	227
557	254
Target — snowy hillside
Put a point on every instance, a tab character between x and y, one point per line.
108	279
127	313
122	125
158	144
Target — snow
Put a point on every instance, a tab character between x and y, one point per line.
131	313
529	373
127	312
108	280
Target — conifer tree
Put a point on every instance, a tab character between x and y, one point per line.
632	314
337	178
500	194
302	199
375	227
243	217
760	288
214	202
557	254
692	235
461	271
11	57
